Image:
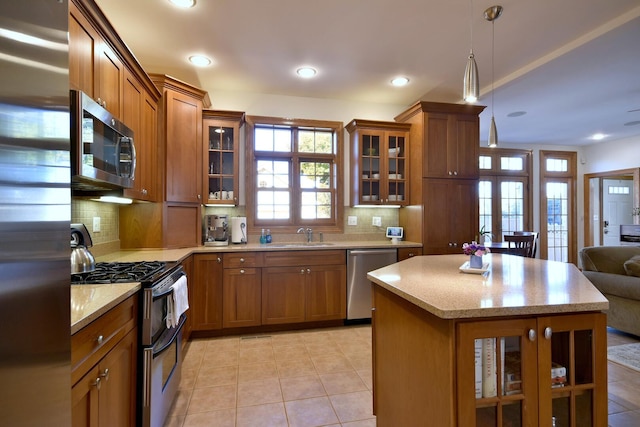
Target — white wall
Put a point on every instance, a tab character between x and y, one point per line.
612	155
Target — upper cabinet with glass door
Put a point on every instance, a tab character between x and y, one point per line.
221	133
379	162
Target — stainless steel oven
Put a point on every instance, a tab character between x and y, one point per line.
160	358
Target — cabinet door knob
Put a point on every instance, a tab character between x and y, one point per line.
532	335
241	259
302	271
96	383
450	173
308	271
99	339
105	374
219	260
242	271
548	332
411	254
455	173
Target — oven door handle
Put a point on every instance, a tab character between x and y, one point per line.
163	345
165	292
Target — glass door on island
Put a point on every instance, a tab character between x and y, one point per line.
221	156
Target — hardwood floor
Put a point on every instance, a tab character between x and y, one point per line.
316	378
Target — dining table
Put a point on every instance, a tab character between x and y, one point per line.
497	247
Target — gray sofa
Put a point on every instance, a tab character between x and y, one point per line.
610	270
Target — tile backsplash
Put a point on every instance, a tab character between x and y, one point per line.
108	238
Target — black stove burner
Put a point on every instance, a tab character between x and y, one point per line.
119	272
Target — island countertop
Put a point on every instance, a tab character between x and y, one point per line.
511	286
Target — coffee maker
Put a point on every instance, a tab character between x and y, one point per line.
216	231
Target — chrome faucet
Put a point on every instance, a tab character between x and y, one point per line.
308	231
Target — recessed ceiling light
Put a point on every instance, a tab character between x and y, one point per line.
598	136
199	60
400	81
306	72
183	3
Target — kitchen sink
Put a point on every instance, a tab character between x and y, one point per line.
301	245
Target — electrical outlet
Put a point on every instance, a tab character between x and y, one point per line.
96	224
352	220
376	221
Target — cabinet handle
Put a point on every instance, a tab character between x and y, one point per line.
455	173
105	374
411	254
113	121
96	383
100	339
144	191
99	101
302	271
241	259
242	271
373	309
308	271
450	173
548	332
532	335
104	104
219	260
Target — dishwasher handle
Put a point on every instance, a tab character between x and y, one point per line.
372	251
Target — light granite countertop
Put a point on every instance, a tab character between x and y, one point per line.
88	302
511	286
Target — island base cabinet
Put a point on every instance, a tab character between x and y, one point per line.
486	372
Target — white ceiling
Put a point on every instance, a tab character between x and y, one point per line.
573	65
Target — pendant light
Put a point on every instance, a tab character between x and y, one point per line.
471	89
491	14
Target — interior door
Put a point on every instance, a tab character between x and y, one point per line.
617	203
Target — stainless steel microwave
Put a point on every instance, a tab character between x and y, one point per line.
103	155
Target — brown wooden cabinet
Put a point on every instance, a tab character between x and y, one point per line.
221	142
303	287
525	392
379	162
406	253
94	66
450	214
434	359
140	113
103	357
444	141
242	289
206	311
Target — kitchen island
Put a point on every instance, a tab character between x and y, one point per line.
433	324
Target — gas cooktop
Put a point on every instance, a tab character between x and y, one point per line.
122	272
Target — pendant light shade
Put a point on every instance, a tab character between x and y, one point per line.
491	14
471	90
471	85
493	134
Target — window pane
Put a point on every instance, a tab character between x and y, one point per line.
512	201
485	205
273	174
273	204
315	175
315	141
557	165
557	221
485	162
315	205
272	139
511	163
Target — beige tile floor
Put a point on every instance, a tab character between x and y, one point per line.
315	378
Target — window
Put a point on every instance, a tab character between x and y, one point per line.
294	175
557	205
505	200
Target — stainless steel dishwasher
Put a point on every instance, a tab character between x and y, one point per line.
359	263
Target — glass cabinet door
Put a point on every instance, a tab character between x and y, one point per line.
221	176
396	167
370	147
497	382
570	369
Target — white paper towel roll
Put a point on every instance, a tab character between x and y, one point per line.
239	229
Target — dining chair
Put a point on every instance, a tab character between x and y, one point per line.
521	245
535	240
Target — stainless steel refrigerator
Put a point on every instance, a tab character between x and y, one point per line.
35	211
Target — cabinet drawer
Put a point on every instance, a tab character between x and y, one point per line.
251	259
92	342
304	258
